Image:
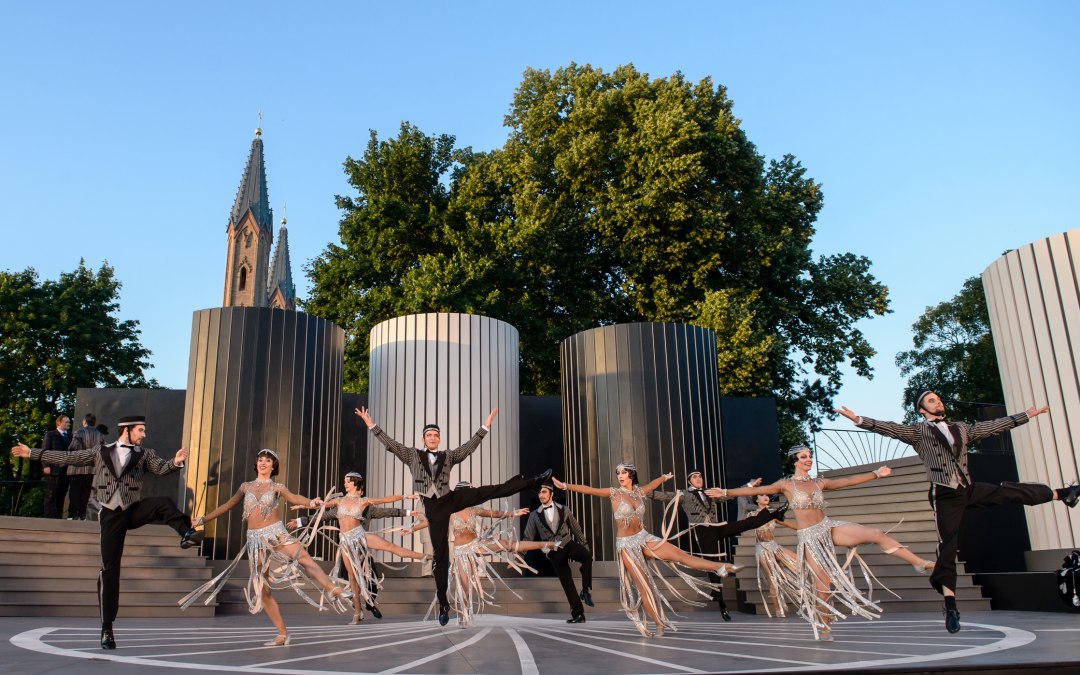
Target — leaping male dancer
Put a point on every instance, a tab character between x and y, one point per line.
430	469
943	448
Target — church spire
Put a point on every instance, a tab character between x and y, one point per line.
282	292
252	194
250	234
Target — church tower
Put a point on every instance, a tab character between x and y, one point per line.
281	293
247	263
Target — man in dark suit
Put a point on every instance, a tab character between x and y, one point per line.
706	529
56	481
118	477
943	448
430	468
80	478
554	522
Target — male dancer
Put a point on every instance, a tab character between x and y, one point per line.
118	476
943	447
708	531
554	522
430	469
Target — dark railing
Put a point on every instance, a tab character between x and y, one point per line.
841	448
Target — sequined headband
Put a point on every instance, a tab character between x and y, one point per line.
796	449
627	466
353	474
267	451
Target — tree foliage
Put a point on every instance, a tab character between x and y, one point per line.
57	336
954	351
615	198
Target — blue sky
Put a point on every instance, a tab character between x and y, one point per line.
943	133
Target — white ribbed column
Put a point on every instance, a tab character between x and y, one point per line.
450	370
1034	309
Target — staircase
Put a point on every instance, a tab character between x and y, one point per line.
50	567
880	504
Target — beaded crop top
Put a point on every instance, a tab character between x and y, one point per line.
459	525
765	532
802	499
350	508
261	497
625	510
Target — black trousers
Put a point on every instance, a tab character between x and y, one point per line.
438	511
560	560
114	528
949	506
56	489
709	538
79	495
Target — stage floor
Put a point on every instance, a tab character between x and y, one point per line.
543	645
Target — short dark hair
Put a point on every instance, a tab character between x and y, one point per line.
267	453
357	481
90	419
103	429
631	471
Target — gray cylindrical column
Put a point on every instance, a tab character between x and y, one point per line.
647	393
260	378
451	370
1032	297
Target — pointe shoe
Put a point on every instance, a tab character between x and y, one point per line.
659	632
279	641
726	569
825	635
923	567
356	619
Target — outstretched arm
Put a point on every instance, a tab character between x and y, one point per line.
857	479
56	457
656	482
981	430
399	450
233	501
297	500
721	493
488	513
391	499
458	454
583	489
901	432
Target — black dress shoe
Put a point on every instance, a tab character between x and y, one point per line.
580	618
1072	495
107	639
536	480
724	614
952	620
586	597
191	538
444	616
374	611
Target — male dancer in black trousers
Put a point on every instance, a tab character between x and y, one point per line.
118	476
555	522
943	448
430	469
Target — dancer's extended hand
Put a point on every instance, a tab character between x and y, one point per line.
21	450
416	514
754	483
558	483
181	455
668	476
715	493
412	497
521	512
1032	412
491	417
883	471
847	413
198	522
292	524
362	413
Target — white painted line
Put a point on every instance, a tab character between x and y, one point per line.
677	667
437	655
525	657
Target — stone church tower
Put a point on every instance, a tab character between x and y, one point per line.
250	280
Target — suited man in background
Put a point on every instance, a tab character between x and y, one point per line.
56	480
80	478
119	469
554	522
943	448
430	469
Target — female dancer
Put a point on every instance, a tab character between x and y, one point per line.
275	558
475	548
774	562
633	544
818	535
356	543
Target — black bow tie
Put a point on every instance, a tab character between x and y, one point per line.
129	447
545	508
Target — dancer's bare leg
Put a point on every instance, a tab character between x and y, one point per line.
377	543
644	591
821	589
272	610
852	535
671	553
314	572
355	586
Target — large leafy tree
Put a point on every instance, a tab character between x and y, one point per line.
615	198
954	351
57	336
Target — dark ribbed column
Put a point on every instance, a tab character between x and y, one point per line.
260	378
646	393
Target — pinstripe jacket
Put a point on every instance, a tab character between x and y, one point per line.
84	439
566	526
945	463
107	480
428	480
696	511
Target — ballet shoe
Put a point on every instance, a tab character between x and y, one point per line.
356	619
825	635
279	641
923	567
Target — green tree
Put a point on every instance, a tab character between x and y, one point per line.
57	336
615	198
954	351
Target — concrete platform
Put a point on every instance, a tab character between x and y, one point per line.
990	642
